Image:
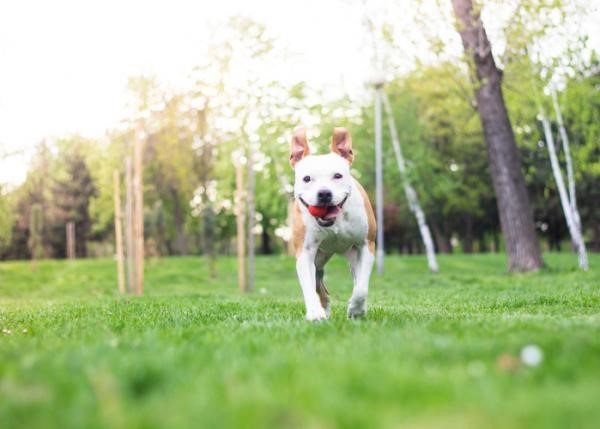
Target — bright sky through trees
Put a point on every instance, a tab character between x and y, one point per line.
64	64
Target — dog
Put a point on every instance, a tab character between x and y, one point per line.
332	214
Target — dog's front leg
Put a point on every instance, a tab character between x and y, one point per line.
305	267
361	261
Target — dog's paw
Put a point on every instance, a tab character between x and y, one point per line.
357	308
317	313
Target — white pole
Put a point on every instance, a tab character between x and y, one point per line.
411	195
378	179
564	199
564	137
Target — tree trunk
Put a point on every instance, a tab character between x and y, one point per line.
516	216
495	244
265	242
468	238
482	244
441	239
595	242
180	238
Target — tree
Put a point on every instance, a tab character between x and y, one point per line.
72	194
36	223
516	216
6	220
35	190
169	155
6	217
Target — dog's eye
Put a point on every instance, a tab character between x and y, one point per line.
306	179
337	176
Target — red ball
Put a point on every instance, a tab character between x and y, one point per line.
317	211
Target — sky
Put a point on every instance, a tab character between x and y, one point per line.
64	64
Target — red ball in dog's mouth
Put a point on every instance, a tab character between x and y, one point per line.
324	212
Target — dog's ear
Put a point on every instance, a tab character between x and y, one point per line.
300	147
341	143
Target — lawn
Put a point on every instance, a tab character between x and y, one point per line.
435	350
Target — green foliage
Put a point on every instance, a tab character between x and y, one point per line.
192	351
442	142
6	220
194	134
74	187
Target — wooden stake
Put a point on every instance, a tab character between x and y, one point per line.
70	230
241	234
138	212
129	226
118	232
251	212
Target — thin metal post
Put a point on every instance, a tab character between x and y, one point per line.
378	180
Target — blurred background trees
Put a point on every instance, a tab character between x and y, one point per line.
229	109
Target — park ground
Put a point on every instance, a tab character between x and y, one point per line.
435	350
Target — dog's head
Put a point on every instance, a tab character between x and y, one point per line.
322	182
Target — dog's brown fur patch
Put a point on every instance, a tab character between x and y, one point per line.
370	218
298	229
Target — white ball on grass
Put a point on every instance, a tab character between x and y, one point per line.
532	355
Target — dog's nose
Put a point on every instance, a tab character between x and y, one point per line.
324	196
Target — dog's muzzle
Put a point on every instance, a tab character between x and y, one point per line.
331	212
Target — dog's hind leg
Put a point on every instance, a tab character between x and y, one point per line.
322	291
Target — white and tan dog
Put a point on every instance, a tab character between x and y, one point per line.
332	214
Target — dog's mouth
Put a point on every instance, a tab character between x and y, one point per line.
325	215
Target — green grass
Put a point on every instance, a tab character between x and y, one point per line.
193	352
